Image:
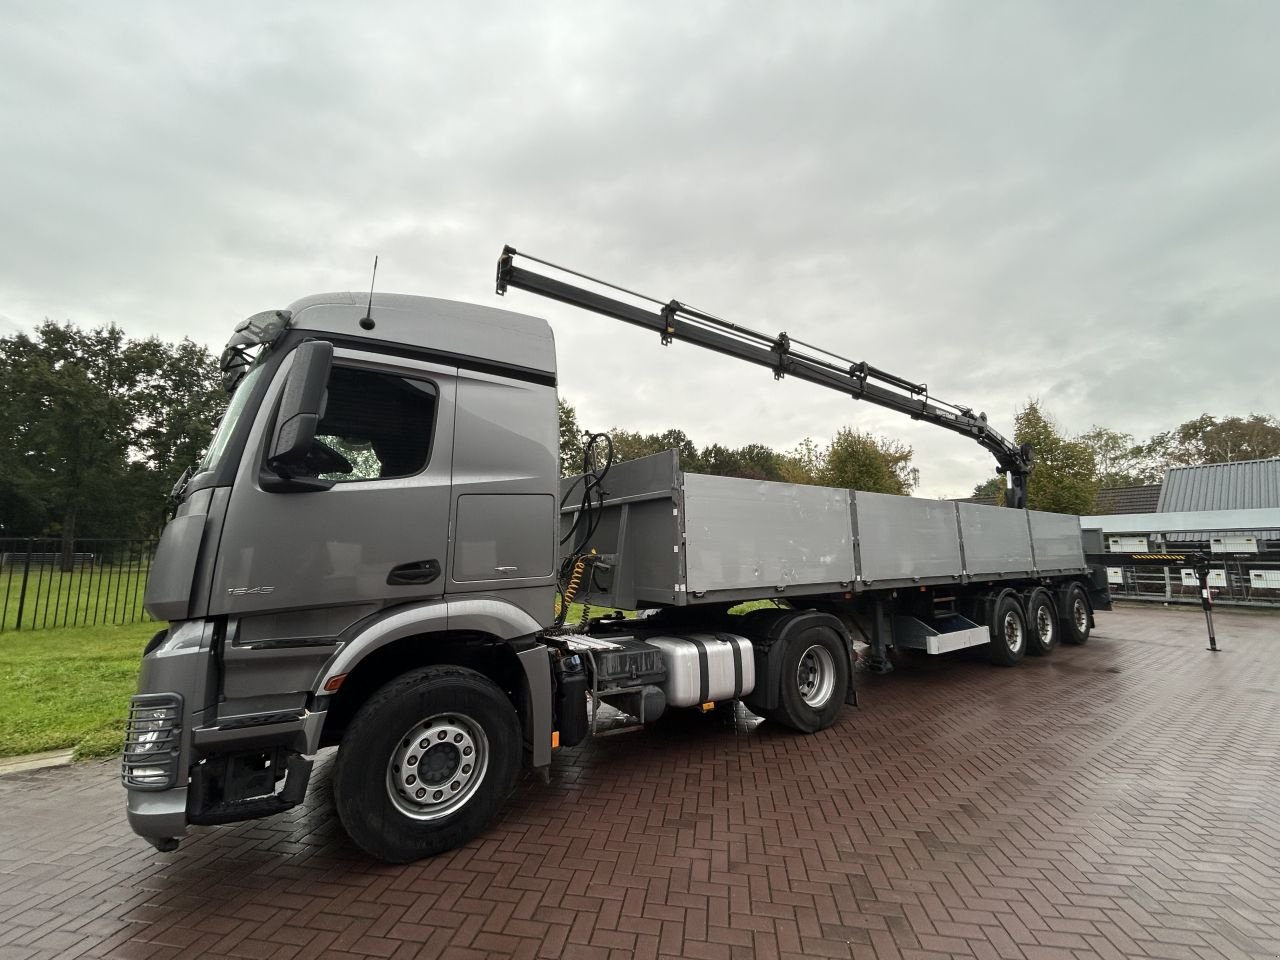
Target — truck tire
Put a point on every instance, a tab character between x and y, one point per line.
1075	616
426	763
1008	631
813	681
1043	628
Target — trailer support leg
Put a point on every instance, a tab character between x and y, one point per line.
1206	602
878	661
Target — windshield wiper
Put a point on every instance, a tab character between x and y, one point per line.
175	495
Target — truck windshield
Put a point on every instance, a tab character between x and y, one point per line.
235	409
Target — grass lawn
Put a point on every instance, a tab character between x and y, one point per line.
68	687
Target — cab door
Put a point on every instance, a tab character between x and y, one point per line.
311	562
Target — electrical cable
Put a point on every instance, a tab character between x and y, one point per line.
597	459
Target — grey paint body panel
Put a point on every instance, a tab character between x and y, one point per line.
335	547
1056	540
996	541
673	538
448	326
772	536
902	538
168	592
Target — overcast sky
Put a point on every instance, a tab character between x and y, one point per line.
1075	201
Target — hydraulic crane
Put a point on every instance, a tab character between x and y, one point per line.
674	320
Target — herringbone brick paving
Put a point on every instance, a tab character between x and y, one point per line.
1115	800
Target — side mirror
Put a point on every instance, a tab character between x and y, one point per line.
301	407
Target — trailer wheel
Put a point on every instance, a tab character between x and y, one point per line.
1008	631
1042	623
1075	616
426	763
813	681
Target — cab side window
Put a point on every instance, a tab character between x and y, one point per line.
381	423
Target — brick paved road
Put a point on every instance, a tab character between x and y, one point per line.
1121	799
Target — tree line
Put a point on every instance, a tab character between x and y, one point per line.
95	428
1070	471
852	459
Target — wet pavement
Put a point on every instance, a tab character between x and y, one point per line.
1120	799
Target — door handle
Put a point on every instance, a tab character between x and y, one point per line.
416	573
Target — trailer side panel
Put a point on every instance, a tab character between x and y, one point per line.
905	538
774	537
997	542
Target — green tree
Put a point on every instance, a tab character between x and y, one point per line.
631	446
863	461
570	441
1120	461
95	428
1207	439
803	463
755	461
995	487
1064	478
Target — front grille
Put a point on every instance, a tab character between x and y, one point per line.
152	742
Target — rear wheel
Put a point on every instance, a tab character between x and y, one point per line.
1042	623
1008	631
426	763
1075	616
814	680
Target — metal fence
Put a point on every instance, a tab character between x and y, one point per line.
1246	581
100	582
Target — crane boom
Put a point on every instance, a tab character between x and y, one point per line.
674	320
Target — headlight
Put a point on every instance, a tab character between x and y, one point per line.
152	742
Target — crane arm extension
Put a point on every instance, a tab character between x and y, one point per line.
675	320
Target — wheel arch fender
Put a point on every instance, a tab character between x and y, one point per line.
494	637
992	604
1029	599
1062	598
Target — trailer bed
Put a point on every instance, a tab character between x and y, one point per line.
671	538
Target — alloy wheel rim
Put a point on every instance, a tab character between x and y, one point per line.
1044	625
437	766
816	675
1012	632
1081	615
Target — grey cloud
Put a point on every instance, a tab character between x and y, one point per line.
1072	201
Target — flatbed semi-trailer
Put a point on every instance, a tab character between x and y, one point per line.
373	552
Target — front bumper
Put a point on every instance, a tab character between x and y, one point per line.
158	816
182	767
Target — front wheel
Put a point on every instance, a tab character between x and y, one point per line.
813	682
426	763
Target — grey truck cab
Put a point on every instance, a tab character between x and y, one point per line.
380	500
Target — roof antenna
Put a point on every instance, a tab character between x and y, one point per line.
366	322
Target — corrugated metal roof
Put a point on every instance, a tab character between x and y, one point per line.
1246	485
1140	498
